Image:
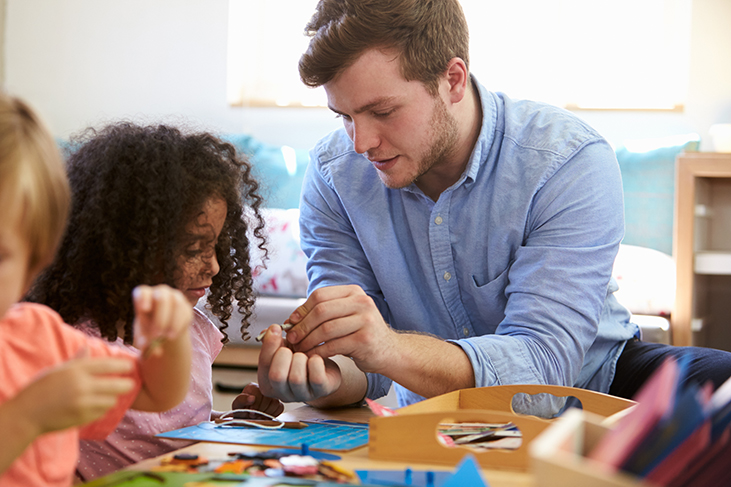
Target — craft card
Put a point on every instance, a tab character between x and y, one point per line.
335	436
655	400
687	415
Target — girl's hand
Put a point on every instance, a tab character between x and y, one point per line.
162	331
252	398
161	314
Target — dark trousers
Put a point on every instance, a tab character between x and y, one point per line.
640	359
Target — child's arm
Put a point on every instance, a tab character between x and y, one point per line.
162	332
76	392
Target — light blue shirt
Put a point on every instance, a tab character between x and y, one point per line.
512	263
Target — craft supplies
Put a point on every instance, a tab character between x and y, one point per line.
285	327
228	419
264	422
260	464
154	344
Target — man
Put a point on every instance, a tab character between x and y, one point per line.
456	238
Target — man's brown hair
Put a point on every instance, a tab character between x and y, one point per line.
427	34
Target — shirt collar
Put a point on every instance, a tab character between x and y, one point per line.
487	132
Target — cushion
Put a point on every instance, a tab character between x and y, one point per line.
279	169
646	279
648	180
284	274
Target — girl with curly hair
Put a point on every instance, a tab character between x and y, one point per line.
151	205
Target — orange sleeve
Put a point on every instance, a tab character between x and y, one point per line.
60	342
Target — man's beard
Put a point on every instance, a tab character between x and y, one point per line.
444	132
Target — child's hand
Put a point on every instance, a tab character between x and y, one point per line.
162	332
161	314
252	398
76	392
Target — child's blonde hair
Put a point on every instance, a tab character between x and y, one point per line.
32	179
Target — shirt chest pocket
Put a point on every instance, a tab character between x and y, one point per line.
486	302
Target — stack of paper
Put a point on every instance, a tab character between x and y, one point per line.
677	435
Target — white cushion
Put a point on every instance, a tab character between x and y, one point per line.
285	272
646	279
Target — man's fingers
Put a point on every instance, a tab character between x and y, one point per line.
327	317
298	379
329	330
318	376
278	373
270	343
321	295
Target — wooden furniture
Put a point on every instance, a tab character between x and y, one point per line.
558	456
410	435
702	250
499	468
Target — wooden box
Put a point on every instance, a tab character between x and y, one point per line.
411	435
557	456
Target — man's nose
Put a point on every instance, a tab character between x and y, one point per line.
365	137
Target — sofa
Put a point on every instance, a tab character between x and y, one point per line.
644	268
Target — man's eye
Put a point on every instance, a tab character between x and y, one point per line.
382	114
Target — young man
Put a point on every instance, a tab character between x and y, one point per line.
456	237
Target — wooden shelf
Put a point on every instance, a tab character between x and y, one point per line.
240	356
715	263
702	246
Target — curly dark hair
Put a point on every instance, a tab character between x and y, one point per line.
134	190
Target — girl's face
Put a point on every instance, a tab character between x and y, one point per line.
14	255
196	263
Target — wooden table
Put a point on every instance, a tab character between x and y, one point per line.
354	460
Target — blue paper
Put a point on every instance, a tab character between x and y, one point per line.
468	473
317	436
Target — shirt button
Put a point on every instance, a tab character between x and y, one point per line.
447	276
438	220
465	331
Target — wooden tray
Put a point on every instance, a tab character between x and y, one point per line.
411	435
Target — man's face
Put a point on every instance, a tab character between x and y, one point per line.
397	124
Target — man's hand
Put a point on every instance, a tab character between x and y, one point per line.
343	320
293	376
252	398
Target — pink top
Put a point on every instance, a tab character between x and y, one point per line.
33	339
134	439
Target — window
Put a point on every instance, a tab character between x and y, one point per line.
603	54
265	42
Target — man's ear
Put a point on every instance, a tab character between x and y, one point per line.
457	77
